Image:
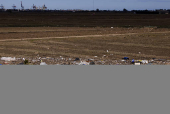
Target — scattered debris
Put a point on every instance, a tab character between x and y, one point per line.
83	63
77	59
21	64
6	63
43	63
161	59
125	58
92	63
8	59
95	60
133	61
137	63
144	61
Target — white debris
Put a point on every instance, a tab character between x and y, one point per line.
151	60
107	51
111	27
8	58
83	63
145	61
137	63
23	59
95	56
44	58
34	60
43	63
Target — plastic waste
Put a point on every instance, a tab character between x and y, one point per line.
8	58
5	62
92	63
137	63
126	58
83	63
133	60
144	61
43	63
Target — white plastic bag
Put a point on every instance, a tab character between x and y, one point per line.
43	63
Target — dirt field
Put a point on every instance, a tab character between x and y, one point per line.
85	42
84	35
79	19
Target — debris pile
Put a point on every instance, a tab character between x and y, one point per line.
96	60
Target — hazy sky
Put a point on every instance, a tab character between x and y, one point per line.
88	4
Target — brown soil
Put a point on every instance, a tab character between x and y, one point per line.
85	42
82	19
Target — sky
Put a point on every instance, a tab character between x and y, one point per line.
88	4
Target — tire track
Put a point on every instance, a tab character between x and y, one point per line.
83	36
